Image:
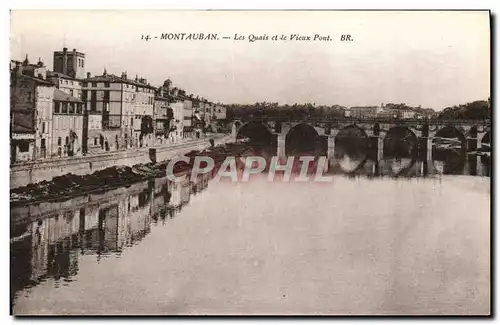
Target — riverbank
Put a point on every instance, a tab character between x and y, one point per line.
45	170
70	185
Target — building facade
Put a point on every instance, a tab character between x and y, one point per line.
31	100
69	85
67	125
119	112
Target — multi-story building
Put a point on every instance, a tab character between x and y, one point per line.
219	112
68	84
163	113
67	125
31	100
119	112
363	111
188	115
406	114
143	107
177	131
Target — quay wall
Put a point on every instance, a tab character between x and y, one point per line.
34	172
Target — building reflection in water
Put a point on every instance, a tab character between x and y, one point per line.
100	225
49	243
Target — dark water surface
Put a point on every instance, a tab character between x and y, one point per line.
366	243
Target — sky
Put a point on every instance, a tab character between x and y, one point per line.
433	59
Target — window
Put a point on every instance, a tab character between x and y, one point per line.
66	82
43	127
106	84
71	107
95	141
64	108
59	141
24	146
57	107
85	84
93	100
71	83
82	63
67	141
94	84
78	108
29	96
84	95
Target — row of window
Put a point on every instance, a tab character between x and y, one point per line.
69	82
67	108
107	85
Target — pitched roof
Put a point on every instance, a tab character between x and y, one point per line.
114	78
59	74
60	95
37	80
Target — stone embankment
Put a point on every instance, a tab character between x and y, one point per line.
70	185
34	172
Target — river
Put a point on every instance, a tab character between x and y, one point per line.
369	242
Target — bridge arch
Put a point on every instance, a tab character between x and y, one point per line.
304	138
255	131
351	144
445	138
486	137
400	141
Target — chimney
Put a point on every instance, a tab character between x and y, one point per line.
65	61
124	75
88	75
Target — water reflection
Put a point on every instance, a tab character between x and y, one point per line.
98	224
49	239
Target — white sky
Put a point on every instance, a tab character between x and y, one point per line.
433	59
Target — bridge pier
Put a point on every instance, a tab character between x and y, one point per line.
428	149
331	149
380	148
281	147
473	144
234	132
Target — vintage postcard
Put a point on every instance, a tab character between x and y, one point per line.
232	162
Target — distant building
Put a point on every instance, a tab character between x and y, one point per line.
177	132
188	114
363	111
219	112
163	114
406	114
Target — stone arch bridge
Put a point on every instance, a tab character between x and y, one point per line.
471	133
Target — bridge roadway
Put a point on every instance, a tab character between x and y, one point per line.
471	133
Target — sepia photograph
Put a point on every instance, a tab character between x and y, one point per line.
250	162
